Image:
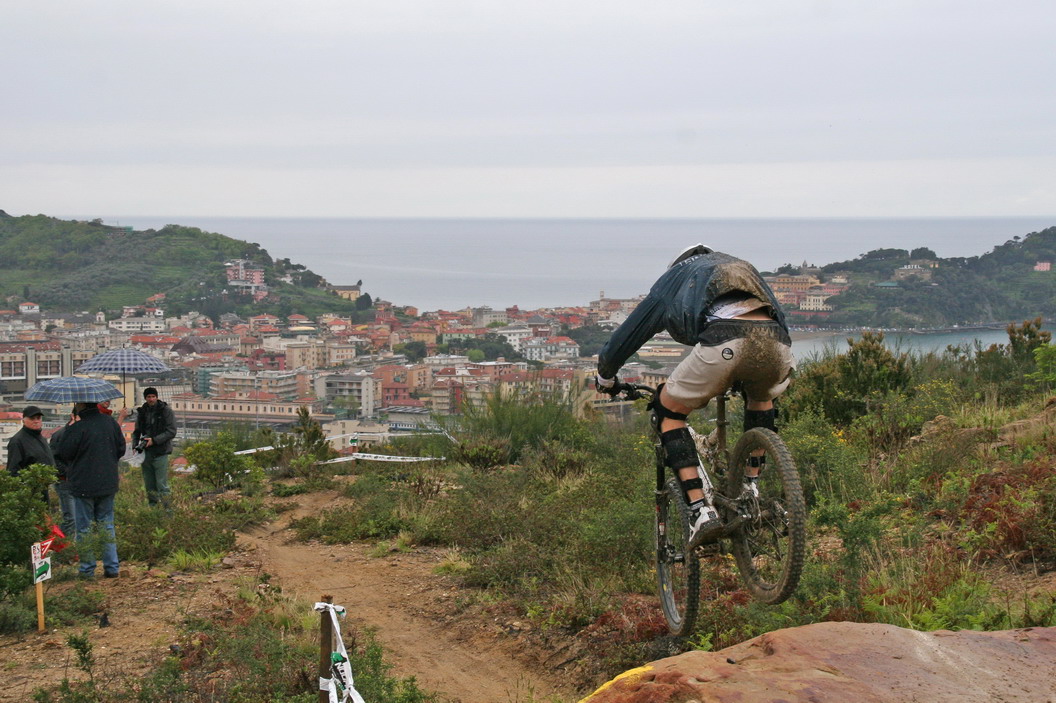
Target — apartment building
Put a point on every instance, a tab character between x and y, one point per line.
515	336
22	365
138	325
252	406
284	384
546	348
361	388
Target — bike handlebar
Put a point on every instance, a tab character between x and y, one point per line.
633	391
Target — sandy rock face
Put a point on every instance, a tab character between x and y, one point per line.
856	663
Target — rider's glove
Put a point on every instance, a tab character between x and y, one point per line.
609	386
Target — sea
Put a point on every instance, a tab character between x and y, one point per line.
456	263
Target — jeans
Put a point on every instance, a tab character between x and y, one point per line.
100	511
156	477
68	508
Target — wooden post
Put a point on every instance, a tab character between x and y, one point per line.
326	645
40	607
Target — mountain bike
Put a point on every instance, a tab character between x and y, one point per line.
764	521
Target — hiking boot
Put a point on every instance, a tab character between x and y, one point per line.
704	524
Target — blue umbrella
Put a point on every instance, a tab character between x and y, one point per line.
72	389
122	361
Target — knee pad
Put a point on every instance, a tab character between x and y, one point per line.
761	418
659	411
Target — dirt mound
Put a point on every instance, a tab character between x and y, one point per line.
865	663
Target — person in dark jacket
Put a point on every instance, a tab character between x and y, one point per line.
62	485
28	446
91	447
719	305
156	427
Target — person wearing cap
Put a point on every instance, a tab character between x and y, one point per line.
155	430
719	305
28	446
91	446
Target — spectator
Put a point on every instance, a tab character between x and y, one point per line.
91	446
155	430
104	408
62	485
27	446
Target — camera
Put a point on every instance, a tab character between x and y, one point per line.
141	445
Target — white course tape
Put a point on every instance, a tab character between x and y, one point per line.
340	684
381	457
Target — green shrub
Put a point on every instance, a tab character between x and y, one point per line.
524	421
216	465
22	514
898	416
828	463
483	454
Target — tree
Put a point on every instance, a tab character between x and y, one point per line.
414	351
922	253
215	463
475	355
364	302
846	386
311	440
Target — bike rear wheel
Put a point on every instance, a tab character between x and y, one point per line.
677	570
769	546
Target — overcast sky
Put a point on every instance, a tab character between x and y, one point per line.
540	108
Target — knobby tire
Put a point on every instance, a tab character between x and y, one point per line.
769	548
677	572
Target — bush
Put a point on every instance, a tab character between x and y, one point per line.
216	465
196	523
483	454
828	463
898	416
523	421
22	514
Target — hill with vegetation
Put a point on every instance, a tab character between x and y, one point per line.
66	265
1000	285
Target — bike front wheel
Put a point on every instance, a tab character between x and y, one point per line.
677	569
769	545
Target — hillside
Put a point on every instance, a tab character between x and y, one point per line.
66	265
1000	285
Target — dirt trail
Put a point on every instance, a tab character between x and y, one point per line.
412	609
464	653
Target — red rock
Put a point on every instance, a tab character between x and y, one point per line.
861	663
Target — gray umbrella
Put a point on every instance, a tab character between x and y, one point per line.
122	361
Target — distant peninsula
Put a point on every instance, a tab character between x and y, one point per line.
898	288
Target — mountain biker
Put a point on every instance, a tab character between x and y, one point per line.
721	306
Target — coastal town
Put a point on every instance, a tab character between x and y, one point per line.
395	373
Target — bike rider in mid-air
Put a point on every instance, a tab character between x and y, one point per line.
720	306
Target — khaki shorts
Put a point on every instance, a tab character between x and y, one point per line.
760	362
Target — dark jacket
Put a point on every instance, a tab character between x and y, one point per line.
159	423
678	302
27	447
91	448
60	465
